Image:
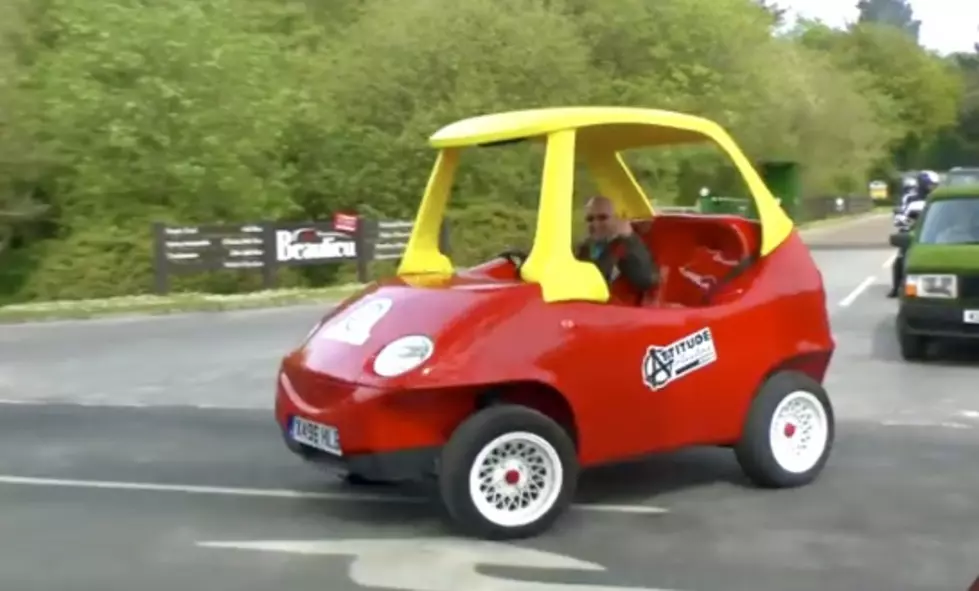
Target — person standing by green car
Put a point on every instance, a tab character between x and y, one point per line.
926	182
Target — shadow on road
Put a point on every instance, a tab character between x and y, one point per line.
633	482
645	479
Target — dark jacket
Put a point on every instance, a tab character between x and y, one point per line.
914	195
624	255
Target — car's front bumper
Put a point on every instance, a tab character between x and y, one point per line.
381	436
936	318
403	465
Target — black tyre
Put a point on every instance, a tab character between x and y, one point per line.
507	472
913	347
788	433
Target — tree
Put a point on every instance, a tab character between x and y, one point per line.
915	93
958	144
19	195
168	111
895	13
115	116
777	12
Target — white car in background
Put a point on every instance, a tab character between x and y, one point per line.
961	175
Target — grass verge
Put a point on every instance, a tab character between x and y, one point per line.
842	220
200	302
170	304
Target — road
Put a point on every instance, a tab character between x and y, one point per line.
127	446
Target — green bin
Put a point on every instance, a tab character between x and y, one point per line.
783	180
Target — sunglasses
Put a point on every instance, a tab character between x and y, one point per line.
597	218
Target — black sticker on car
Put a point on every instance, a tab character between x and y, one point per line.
664	364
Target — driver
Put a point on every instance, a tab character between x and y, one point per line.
614	247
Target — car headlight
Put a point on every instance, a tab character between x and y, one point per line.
403	355
931	286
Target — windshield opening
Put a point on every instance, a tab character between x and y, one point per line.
952	221
493	204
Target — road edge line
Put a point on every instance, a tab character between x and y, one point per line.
36	481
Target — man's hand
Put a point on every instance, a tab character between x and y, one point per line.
625	227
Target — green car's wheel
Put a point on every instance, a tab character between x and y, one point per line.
913	347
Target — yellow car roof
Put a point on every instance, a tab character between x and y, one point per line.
601	132
616	128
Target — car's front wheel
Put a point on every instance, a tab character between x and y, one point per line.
913	347
788	433
508	472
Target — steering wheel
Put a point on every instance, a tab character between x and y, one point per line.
516	257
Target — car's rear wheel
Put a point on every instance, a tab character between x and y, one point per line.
913	347
788	433
508	472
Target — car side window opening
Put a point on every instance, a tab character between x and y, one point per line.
951	221
706	255
489	212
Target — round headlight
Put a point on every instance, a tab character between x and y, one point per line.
403	355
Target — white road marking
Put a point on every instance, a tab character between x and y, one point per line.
132	404
853	295
939	424
890	261
604	508
433	564
970	414
275	493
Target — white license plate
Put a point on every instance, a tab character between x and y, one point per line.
322	437
970	316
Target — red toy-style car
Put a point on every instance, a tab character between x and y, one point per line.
501	382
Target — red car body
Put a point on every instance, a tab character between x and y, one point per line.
575	361
729	348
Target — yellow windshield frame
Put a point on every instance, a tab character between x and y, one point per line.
596	136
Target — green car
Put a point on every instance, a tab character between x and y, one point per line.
940	298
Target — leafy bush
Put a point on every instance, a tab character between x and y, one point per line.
113	116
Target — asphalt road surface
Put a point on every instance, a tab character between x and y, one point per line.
140	454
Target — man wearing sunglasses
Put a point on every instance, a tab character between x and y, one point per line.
614	247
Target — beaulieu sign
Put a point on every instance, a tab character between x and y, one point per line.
311	244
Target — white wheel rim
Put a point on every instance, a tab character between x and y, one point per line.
516	479
799	432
